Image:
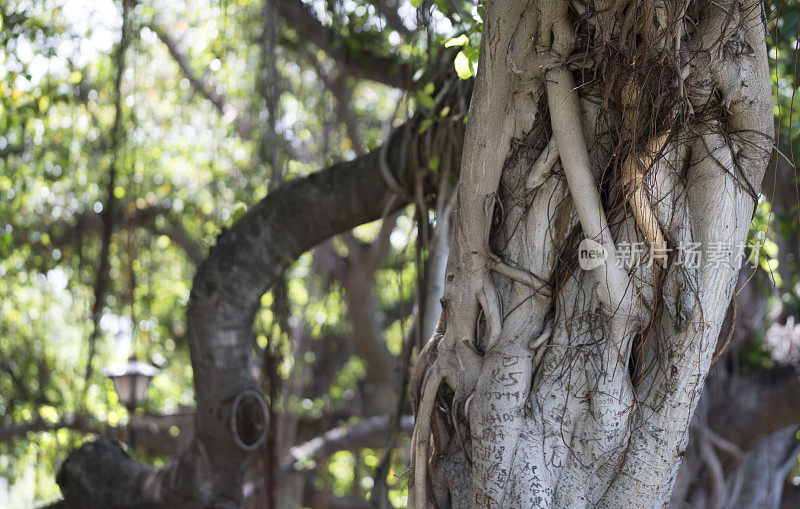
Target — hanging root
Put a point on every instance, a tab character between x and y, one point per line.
565	118
447	361
457	428
422	438
633	173
425	359
543	165
537	344
541	289
490	302
721	350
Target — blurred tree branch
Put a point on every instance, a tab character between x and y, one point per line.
159	219
244	124
225	294
367	433
101	285
361	64
153	432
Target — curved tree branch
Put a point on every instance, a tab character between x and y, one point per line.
225	296
101	285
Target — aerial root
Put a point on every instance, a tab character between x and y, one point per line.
633	172
721	351
543	165
457	427
440	435
541	290
490	302
454	361
536	346
540	339
425	359
422	436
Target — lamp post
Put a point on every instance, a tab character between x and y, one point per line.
131	380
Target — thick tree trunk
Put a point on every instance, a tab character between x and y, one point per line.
546	385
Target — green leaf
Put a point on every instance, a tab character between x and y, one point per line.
462	65
471	52
424	125
239	209
425	100
456	41
416	3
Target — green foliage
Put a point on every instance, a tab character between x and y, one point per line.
182	166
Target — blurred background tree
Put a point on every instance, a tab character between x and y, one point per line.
133	134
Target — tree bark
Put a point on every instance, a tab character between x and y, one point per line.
568	387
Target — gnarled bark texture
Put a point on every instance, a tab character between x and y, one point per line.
628	124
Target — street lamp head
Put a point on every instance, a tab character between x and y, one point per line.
131	380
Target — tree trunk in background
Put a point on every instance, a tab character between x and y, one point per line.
760	481
546	385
